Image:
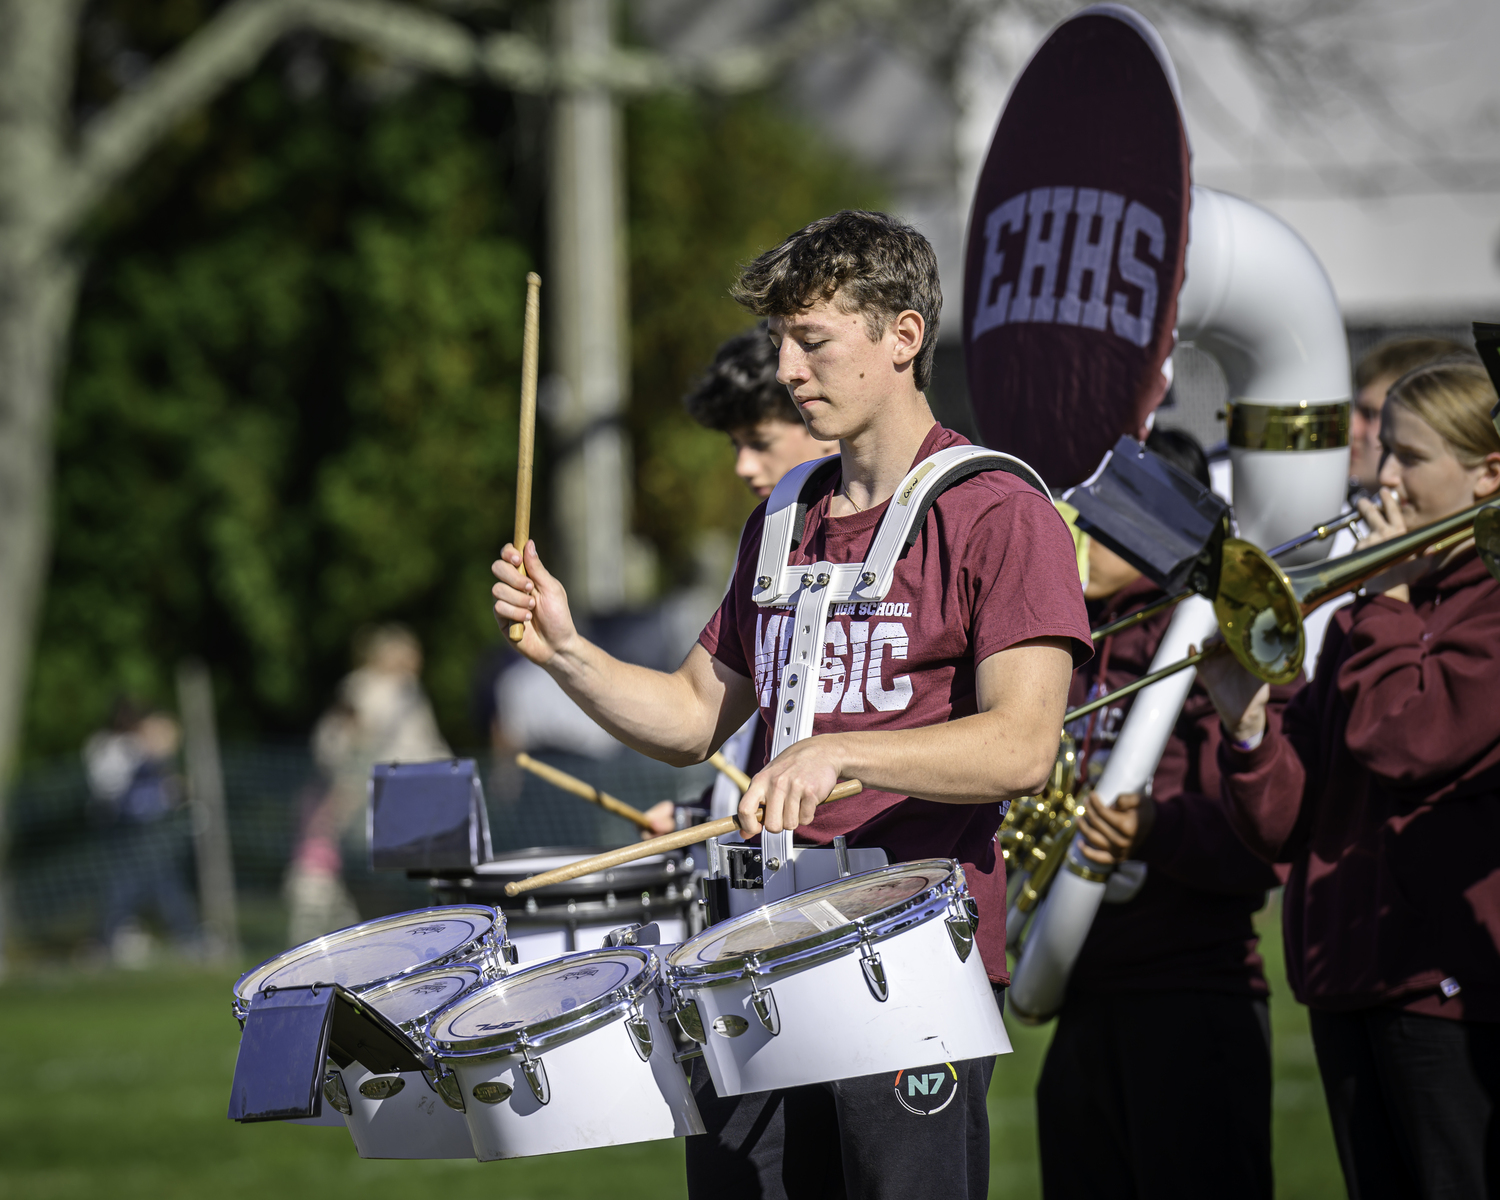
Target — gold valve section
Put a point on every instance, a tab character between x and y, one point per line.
1036	831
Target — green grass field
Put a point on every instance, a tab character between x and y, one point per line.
116	1084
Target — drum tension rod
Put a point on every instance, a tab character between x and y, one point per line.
869	961
761	999
536	1074
638	1028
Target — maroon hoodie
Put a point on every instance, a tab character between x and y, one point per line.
1382	789
1189	927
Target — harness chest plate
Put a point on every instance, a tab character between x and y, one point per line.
812	590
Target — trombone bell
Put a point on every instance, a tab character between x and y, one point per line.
1487	537
1259	616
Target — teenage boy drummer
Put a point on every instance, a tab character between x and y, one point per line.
945	706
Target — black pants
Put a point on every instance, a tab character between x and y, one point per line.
1413	1102
1157	1095
921	1133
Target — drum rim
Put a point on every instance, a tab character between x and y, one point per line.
373	995
544	1035
667	865
328	940
825	945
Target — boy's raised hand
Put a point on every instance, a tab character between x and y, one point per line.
536	599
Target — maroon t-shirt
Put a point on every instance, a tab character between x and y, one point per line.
992	566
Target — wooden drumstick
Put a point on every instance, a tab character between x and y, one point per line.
668	841
585	791
526	450
738	777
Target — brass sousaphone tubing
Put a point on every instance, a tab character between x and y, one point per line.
1260	607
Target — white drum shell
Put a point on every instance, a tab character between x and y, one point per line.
414	1123
938	1009
601	1094
537	944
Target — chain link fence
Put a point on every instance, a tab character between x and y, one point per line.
64	851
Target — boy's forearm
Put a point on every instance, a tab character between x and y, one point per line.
973	760
664	716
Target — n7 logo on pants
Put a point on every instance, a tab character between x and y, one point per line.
922	1091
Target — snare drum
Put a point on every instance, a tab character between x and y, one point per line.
577	914
403	1115
875	972
564	1056
385	949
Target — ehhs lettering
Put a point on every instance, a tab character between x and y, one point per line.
1036	227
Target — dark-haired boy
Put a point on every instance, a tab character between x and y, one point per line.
942	712
740	397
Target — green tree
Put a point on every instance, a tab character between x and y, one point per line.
290	408
712	183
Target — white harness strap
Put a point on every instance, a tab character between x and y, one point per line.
813	589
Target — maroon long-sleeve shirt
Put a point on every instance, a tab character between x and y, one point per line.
1189	927
1382	789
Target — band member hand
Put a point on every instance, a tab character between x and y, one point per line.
1113	834
1239	696
1386	521
663	818
790	786
537	599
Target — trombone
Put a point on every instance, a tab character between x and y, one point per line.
1317	534
1261	607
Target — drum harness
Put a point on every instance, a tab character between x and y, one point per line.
756	877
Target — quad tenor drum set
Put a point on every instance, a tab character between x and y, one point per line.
426	1036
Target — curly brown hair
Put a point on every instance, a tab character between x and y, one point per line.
866	262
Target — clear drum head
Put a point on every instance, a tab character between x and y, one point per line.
818	915
374	952
539	1000
409	1000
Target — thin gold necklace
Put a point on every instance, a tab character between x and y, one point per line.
848	497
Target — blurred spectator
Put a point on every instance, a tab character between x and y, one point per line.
1373	376
381	715
135	788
